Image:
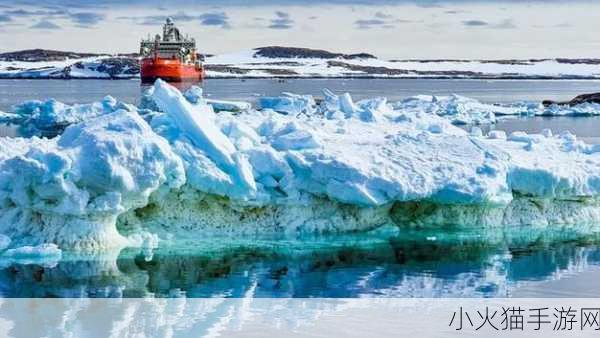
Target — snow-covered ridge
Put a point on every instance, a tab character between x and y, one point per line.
129	175
270	62
98	67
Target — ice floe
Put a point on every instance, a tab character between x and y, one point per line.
49	117
44	254
463	110
459	109
173	165
289	103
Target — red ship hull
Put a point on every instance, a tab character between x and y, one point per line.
171	70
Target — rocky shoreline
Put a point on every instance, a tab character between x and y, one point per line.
579	99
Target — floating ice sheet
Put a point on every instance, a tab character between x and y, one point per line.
177	166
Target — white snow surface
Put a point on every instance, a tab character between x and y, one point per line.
81	68
246	64
116	178
463	110
310	67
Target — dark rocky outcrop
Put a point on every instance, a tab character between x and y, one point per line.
372	70
368	69
524	62
583	98
579	61
243	71
226	69
119	66
35	55
116	67
38	55
305	53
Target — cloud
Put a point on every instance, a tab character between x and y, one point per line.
80	19
155	20
146	21
207	19
40	12
65	5
86	19
369	23
475	23
282	21
455	11
215	19
382	15
379	20
504	24
563	25
70	4
45	24
429	4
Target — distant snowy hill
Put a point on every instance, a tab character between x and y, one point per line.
35	55
305	53
41	63
275	61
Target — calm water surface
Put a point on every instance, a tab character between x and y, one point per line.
387	262
499	91
383	263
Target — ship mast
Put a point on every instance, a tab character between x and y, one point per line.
171	55
170	32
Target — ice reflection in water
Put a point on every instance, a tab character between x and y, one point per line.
382	263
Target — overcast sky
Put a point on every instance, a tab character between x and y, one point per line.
387	28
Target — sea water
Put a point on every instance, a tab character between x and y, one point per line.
490	91
383	263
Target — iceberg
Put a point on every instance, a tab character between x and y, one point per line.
230	106
195	96
462	110
50	117
458	109
29	252
173	167
70	189
45	255
289	104
582	109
